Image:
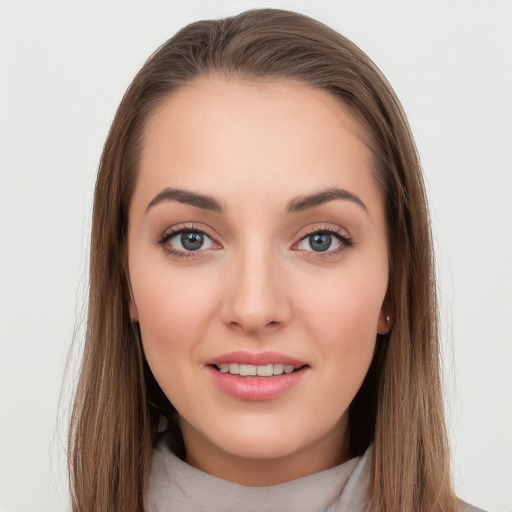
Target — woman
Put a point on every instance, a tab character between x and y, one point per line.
262	301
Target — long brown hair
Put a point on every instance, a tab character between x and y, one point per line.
399	407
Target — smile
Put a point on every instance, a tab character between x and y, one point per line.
249	370
256	376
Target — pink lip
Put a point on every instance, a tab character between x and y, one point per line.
256	388
256	359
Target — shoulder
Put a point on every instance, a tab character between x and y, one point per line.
466	507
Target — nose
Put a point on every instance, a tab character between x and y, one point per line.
255	299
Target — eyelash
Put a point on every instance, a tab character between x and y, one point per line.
345	240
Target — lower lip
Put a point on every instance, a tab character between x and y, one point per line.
256	388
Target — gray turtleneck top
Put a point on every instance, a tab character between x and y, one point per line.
177	486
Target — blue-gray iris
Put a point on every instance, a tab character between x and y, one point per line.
320	241
192	241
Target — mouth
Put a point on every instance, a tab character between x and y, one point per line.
256	377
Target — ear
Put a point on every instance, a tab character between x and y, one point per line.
385	322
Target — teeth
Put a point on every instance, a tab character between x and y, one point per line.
246	370
278	369
265	371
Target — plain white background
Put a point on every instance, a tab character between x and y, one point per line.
63	69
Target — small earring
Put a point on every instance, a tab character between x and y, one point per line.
388	324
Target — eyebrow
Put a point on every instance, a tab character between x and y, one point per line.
302	203
186	197
299	204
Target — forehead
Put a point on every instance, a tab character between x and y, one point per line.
230	135
211	100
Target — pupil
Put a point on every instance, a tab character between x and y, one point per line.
320	241
192	241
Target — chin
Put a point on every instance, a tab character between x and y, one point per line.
262	440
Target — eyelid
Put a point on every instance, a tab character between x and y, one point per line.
324	228
186	226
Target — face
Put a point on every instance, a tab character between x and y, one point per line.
258	265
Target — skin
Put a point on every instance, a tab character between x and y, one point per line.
257	284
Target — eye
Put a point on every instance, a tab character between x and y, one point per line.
191	241
184	242
328	241
319	242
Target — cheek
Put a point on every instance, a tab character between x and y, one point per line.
345	311
343	319
173	309
174	312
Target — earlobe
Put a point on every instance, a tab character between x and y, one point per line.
385	323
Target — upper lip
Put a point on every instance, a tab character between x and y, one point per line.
256	359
